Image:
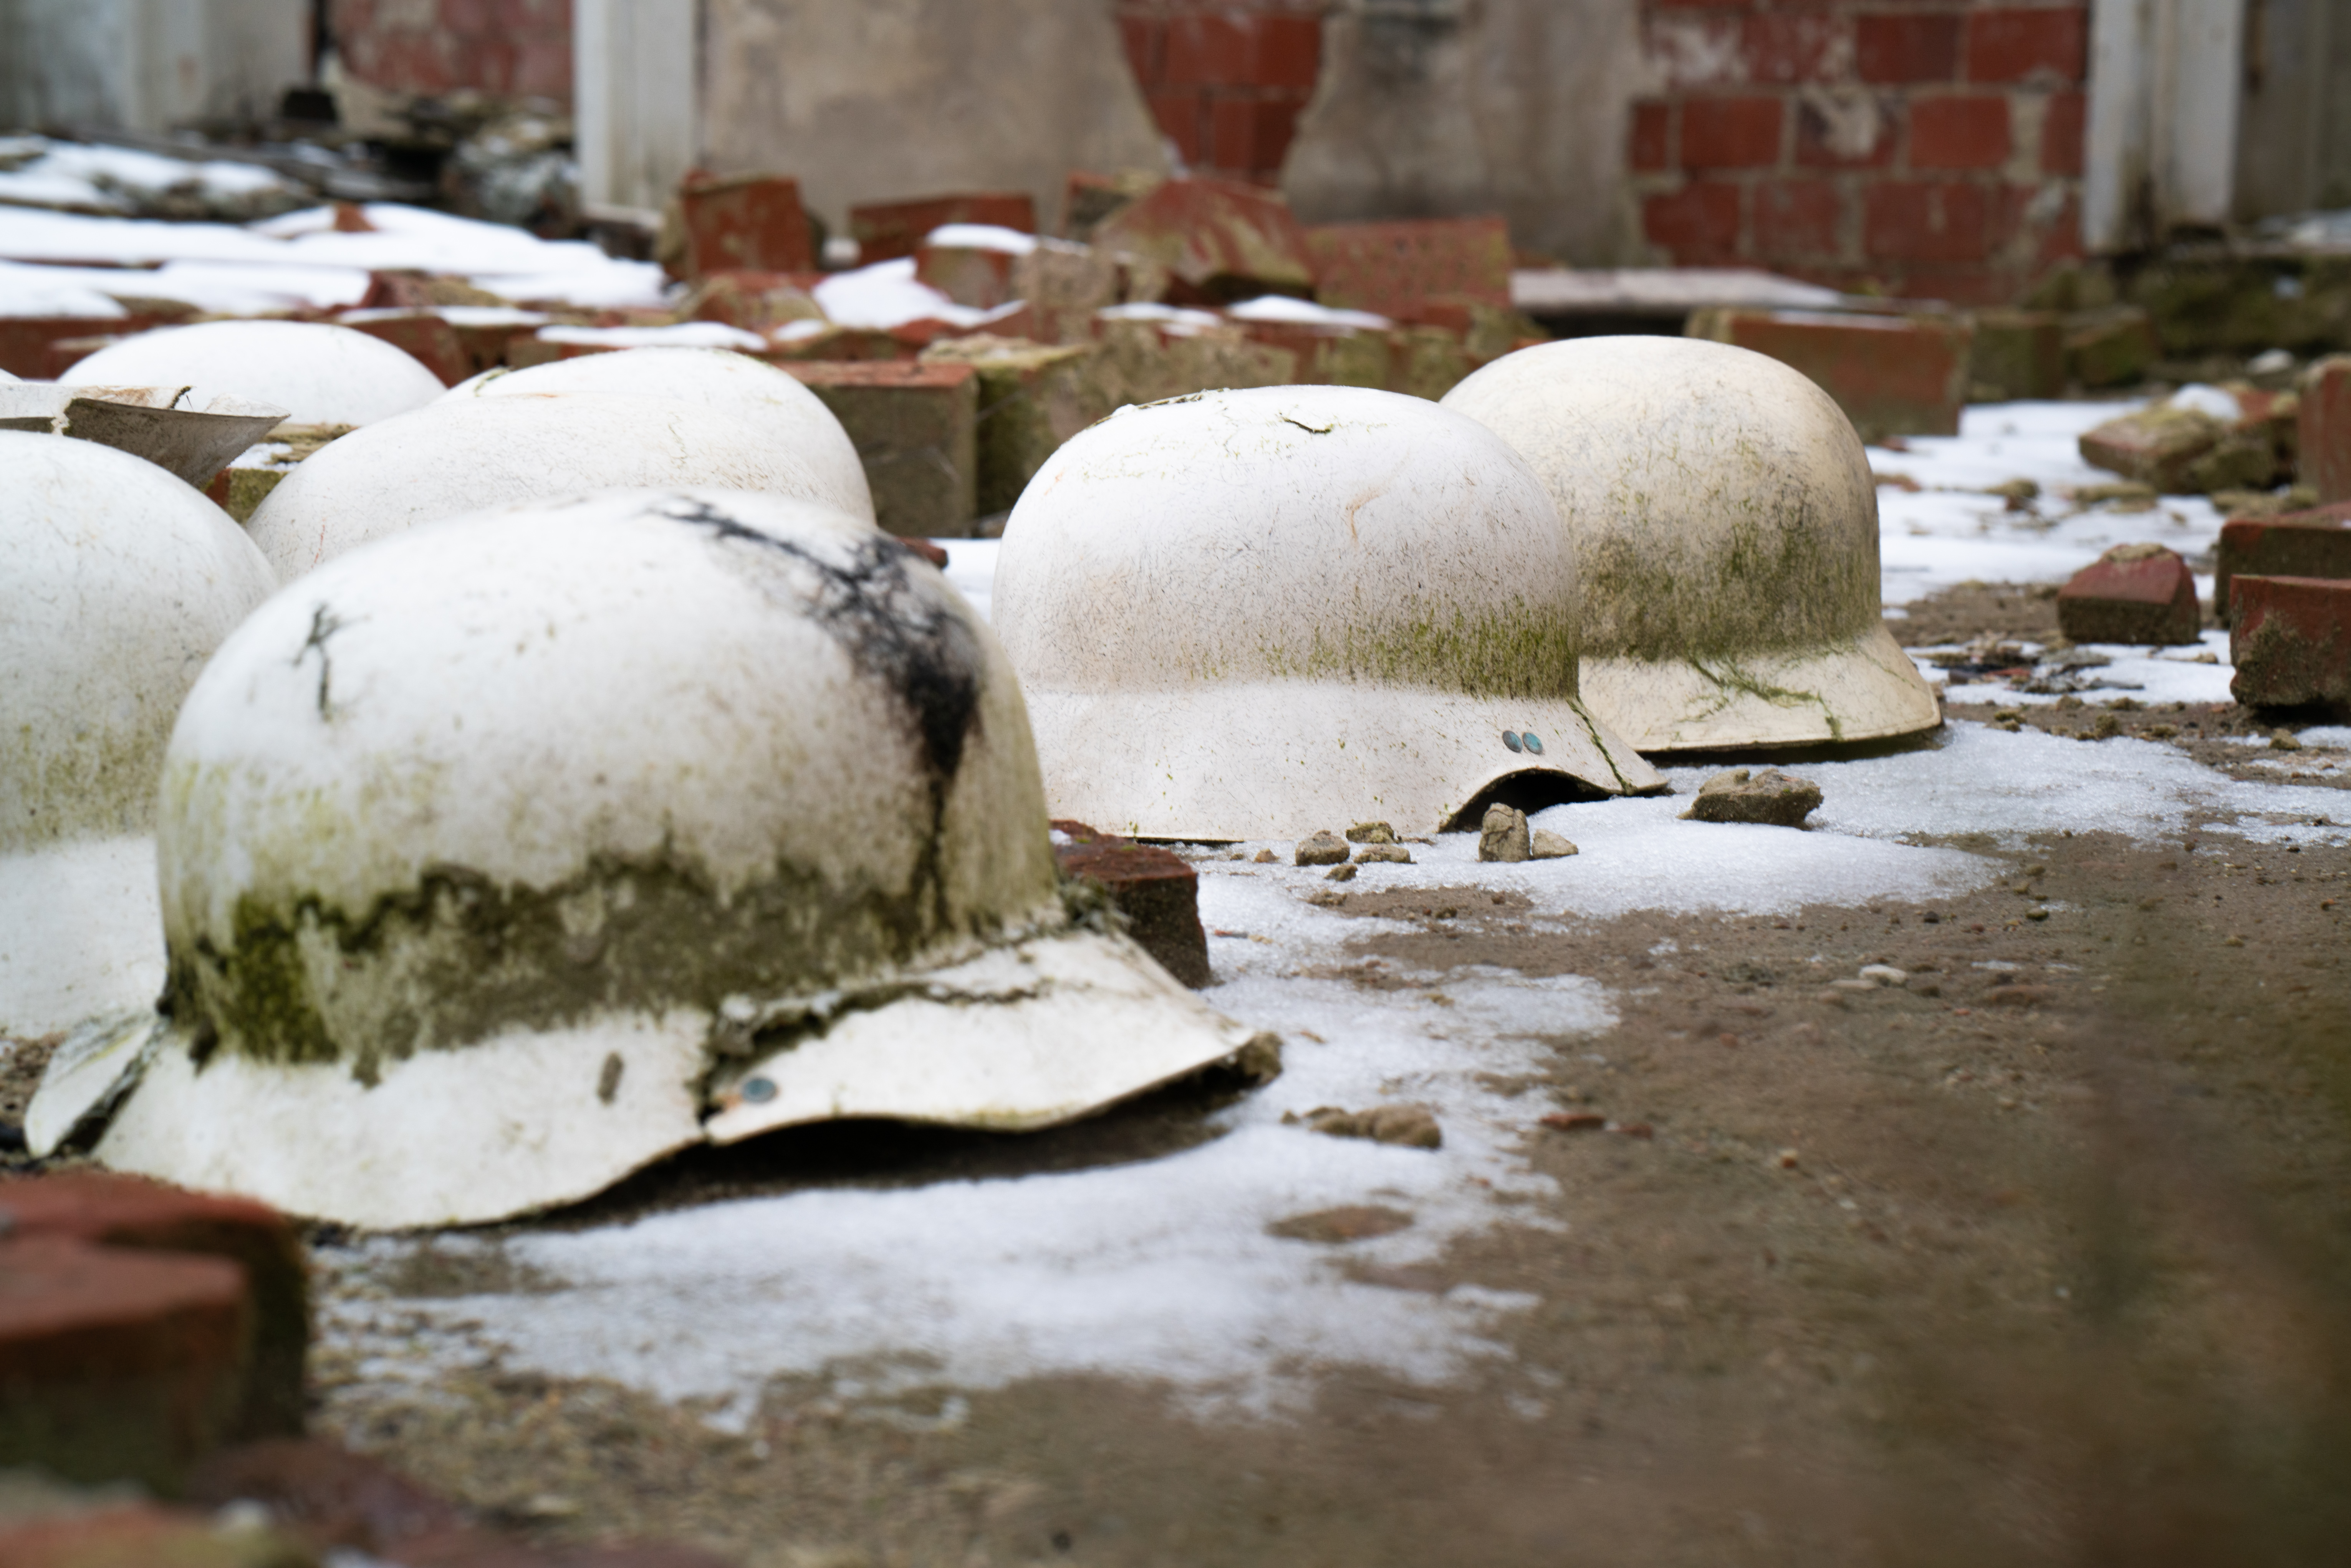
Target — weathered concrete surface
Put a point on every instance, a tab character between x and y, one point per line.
898	98
1436	107
148	65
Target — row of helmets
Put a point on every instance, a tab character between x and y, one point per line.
524	836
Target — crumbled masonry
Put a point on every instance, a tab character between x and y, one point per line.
1769	796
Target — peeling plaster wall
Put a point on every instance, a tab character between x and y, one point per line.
148	65
884	99
1443	108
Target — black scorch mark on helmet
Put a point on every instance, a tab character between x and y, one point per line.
867	602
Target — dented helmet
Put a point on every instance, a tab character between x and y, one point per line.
318	374
503	857
758	395
1249	614
462	455
1725	519
119	582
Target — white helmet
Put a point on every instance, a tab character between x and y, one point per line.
503	857
320	374
758	395
1726	521
1251	614
461	456
119	581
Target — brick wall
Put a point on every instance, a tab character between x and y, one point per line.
1931	149
514	47
1226	82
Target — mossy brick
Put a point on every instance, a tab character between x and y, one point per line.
1397	268
754	301
1032	397
2159	445
1891	374
885	231
142	1535
118	1365
2017	354
1147	362
968	275
735	223
2109	347
425	335
2315	543
2291	641
1155	889
2137	593
104	1208
915	427
1220	240
2223	304
2324	427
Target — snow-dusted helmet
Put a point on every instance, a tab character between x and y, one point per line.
320	374
119	582
1725	521
1250	614
505	856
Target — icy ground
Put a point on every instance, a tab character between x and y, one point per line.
1164	1270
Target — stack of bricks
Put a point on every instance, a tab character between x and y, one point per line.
519	48
1226	82
1931	149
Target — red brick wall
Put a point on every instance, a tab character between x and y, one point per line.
516	48
1226	82
1931	149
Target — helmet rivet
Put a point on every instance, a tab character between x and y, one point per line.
1510	738
1533	741
758	1091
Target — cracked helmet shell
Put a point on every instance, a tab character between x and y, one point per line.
506	855
1251	614
319	373
1725	518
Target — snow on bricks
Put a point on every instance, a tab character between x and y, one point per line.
1891	374
1155	889
885	231
2315	543
2325	427
735	223
1219	239
2139	593
2291	641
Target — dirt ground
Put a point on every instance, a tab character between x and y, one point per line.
2041	1256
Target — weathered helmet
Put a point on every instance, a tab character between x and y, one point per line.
119	582
1725	518
758	395
503	857
1250	614
320	374
460	456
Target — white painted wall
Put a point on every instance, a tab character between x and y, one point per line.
148	65
2165	84
635	99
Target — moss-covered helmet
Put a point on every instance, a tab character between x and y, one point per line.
1250	614
503	857
1725	519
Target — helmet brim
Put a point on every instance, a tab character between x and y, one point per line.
1282	759
1034	1033
81	934
1865	689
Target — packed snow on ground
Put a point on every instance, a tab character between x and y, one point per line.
118	179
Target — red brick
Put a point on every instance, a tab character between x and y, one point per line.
2289	638
1652	139
1731	132
2061	134
1220	239
1142	37
1289	52
2315	543
885	231
25	341
2046	43
1249	135
1157	891
915	427
1795	217
2140	594
1906	48
142	1535
1959	131
980	278
1889	374
1240	50
2325	427
1917	221
1395	269
1793	45
426	337
739	223
1178	116
1701	218
1817	146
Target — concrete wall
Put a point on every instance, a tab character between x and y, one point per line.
882	99
1433	107
634	100
148	65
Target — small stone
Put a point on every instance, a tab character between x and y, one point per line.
1547	845
2018	493
1413	1126
1884	974
2285	740
1576	1121
1769	796
1341	873
1267	857
1259	1058
1354	1222
1370	833
1852	985
1503	835
1786	1159
1323	848
2232	941
1829	996
1380	850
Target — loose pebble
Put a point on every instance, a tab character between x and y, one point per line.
1323	848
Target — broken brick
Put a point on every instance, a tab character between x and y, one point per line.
30	345
2325	417
915	430
968	275
2111	347
2158	445
2291	641
1155	889
2138	594
755	301
1220	240
2315	543
885	231
1396	270
425	335
1032	397
1891	374
737	223
2017	354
